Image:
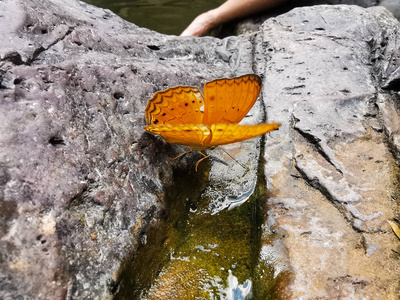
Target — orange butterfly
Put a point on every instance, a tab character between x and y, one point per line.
182	115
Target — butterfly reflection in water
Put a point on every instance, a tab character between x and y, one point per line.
183	115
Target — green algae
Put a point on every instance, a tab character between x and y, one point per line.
189	253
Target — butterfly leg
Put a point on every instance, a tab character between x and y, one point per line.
200	160
182	154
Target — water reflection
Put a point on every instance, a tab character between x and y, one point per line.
193	253
236	291
165	16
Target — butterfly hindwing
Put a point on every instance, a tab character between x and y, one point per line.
229	100
223	134
193	136
176	105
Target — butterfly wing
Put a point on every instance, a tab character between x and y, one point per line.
176	113
223	134
229	100
193	136
176	105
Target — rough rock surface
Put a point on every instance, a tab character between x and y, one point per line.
80	180
253	23
332	75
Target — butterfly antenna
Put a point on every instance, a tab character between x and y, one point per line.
243	166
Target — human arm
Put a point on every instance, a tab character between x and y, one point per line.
229	10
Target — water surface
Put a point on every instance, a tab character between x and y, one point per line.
194	253
164	16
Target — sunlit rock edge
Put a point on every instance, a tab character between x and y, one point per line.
332	169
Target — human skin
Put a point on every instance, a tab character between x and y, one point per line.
229	10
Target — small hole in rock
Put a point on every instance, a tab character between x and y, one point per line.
17	80
118	95
57	142
153	47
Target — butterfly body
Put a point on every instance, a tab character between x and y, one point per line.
182	115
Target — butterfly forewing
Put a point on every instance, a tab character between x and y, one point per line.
229	100
177	105
194	136
223	134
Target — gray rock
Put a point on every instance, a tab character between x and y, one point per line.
393	6
80	181
79	178
330	168
253	23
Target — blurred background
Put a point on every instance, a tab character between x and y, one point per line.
164	16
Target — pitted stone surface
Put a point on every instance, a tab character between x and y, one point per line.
336	183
